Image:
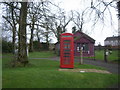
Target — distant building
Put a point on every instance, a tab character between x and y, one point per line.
112	41
85	41
80	40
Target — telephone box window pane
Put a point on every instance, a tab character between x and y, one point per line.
67	50
67	47
67	53
66	36
66	56
66	41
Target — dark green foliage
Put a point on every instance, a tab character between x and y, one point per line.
7	47
45	46
74	29
37	46
99	46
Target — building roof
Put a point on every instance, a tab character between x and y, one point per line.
85	35
112	38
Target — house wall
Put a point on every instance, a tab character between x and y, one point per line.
112	42
84	40
91	47
88	53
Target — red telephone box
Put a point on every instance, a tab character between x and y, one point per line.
66	50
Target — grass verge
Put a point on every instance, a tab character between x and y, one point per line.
42	54
99	55
44	74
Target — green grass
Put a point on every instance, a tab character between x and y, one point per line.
42	54
86	66
111	57
0	70
99	55
44	74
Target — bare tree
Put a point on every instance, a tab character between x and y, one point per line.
74	29
34	14
12	18
78	20
99	9
22	50
118	7
59	23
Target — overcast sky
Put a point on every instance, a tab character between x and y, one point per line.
98	33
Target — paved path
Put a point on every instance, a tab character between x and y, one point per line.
113	68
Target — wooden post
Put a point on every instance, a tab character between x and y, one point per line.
81	55
94	54
27	51
105	54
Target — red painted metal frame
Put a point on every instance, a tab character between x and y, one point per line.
70	54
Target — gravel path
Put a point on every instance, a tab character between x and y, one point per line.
85	70
113	68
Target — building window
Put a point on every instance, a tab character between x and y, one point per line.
78	47
78	44
84	45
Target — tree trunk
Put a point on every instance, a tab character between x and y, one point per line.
22	50
118	6
31	39
13	28
13	40
39	44
47	37
47	41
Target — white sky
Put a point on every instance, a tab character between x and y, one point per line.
98	34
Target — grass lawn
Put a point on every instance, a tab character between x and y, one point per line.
0	70
111	57
99	55
45	74
42	54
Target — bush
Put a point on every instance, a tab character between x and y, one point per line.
7	47
37	46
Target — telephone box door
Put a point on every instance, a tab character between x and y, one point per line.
66	51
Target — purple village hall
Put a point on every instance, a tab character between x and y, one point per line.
81	40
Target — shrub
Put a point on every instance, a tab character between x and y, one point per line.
40	46
7	47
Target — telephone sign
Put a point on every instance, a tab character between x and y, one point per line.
66	50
